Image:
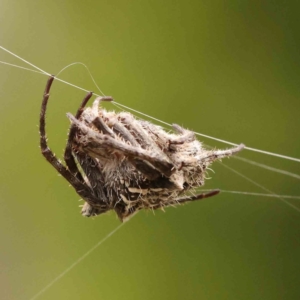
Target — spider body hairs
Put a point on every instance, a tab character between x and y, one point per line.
128	164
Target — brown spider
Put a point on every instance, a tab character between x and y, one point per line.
127	164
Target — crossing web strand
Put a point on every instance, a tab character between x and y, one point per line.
87	69
264	166
287	173
214	138
262	187
268	193
141	113
20	67
258	194
76	262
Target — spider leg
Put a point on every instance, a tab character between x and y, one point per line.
80	188
218	154
166	140
98	121
198	197
119	129
68	155
93	141
193	198
87	164
135	136
47	153
94	178
185	135
143	166
141	135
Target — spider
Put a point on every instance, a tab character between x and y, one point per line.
117	162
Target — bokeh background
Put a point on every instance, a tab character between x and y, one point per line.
229	69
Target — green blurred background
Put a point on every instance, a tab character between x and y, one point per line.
229	69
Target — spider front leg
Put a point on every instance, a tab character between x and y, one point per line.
82	189
46	151
68	155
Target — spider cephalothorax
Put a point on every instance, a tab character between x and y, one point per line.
128	164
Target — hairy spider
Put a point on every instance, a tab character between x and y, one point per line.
115	161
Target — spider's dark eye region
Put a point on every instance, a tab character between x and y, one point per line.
128	164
